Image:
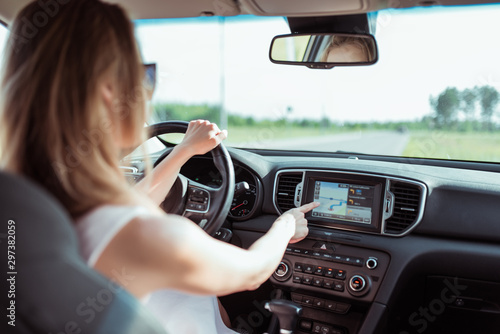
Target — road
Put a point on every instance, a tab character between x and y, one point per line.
376	142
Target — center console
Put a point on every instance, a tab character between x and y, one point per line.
337	283
334	283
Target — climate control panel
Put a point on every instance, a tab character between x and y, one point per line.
330	270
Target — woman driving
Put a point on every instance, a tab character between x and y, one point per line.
73	100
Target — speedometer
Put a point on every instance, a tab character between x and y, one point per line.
244	203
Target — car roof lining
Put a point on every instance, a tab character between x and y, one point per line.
150	9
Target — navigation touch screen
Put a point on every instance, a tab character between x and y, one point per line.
344	201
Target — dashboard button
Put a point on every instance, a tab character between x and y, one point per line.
319	303
340	274
298	267
306	325
326	330
329	305
289	249
358	262
297	279
307	300
339	286
327	256
317	254
307	280
308	268
324	247
297	251
329	272
328	284
319	270
317	281
339	258
316	328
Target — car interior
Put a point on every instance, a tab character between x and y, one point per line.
400	243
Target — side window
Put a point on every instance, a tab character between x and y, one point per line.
3	39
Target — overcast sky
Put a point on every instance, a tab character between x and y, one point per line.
422	52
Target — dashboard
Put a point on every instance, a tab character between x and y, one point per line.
245	203
388	241
360	202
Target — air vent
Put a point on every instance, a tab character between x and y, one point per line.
285	190
406	207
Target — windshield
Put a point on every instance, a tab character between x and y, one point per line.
432	94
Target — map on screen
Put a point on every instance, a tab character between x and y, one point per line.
348	202
333	198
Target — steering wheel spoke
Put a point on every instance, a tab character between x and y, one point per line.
206	206
198	202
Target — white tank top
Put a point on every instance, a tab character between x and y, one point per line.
178	312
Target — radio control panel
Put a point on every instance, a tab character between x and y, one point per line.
330	270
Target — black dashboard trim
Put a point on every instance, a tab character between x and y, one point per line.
389	179
457	164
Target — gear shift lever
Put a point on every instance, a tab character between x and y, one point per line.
287	312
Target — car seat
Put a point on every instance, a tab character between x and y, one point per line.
47	287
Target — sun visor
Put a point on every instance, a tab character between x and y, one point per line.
304	7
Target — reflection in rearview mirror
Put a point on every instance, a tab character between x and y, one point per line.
324	50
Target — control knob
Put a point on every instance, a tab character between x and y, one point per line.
282	272
282	269
372	263
359	285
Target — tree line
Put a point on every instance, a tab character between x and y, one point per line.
471	109
455	109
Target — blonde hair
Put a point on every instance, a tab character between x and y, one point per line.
358	42
54	128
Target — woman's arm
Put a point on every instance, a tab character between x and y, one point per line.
201	137
173	252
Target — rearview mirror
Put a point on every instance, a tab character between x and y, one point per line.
324	51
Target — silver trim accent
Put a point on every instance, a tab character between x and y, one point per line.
388	207
408	209
389	179
275	188
423	197
286	270
375	265
363	284
297	198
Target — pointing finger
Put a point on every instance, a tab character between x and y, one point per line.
308	207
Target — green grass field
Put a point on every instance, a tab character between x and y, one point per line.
472	146
475	146
248	134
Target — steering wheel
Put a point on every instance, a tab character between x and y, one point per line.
206	206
